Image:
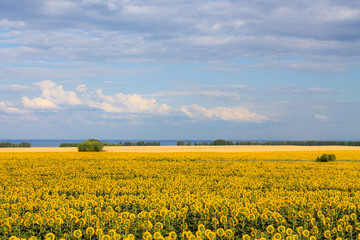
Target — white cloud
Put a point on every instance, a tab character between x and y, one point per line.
321	117
319	90
202	93
197	112
38	103
81	88
8	24
282	102
127	103
7	108
56	94
16	88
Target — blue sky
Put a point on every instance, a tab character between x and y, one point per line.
121	69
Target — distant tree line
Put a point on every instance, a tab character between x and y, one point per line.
11	145
140	143
302	143
213	143
68	144
296	143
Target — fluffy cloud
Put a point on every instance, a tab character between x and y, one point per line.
321	117
127	103
197	112
38	103
7	108
57	94
51	95
131	106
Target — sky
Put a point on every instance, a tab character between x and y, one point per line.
180	69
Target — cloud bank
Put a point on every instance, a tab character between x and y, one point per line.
53	97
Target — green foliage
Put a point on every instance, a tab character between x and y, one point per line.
180	143
68	144
301	143
326	158
90	146
25	144
188	144
221	142
141	143
13	145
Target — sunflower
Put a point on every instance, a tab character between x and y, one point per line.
131	236
105	237
172	215
223	219
315	230
158	226
215	221
50	236
90	231
281	229
229	233
299	230
327	234
157	235
276	236
305	233
251	217
270	229
220	232
111	232
99	232
149	225
77	233
349	228
201	228
172	235
117	236
246	237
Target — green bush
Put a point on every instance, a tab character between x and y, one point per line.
326	158
25	144
90	146
180	143
221	142
68	144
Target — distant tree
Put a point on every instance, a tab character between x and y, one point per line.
180	143
90	146
140	143
188	144
222	142
25	144
326	158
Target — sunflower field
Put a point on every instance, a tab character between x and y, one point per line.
113	196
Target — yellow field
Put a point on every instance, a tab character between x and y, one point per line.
179	195
162	149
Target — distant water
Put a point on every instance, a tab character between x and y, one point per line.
56	143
